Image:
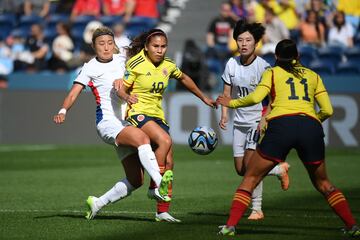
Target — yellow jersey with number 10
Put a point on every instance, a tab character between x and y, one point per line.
148	82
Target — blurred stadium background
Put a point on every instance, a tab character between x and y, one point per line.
32	89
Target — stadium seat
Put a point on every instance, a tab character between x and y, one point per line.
306	58
138	25
357	39
80	22
330	55
55	18
7	23
25	23
321	68
307	54
353	54
77	36
49	35
109	21
348	68
270	58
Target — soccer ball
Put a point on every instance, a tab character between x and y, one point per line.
203	140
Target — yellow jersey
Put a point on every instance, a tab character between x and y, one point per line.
148	82
289	94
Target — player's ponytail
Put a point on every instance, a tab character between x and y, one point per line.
287	57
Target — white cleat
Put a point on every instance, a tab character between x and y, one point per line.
154	194
92	206
165	217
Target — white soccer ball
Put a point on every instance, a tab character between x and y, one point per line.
203	140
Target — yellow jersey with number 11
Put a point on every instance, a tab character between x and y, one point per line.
148	82
290	95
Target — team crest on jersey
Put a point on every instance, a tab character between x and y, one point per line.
148	74
165	72
126	74
140	118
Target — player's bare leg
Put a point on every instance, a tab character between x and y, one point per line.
256	170
334	197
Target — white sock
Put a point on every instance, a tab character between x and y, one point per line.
256	197
149	162
119	191
276	171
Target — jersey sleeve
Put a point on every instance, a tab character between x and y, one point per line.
260	92
227	73
176	73
266	79
83	78
129	77
323	100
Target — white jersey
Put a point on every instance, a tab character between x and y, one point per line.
243	80
100	77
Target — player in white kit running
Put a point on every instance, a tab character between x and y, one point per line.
99	74
241	76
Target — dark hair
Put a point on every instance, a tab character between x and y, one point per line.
287	57
255	29
100	32
317	21
104	31
139	42
337	24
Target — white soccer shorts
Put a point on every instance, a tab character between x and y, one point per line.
244	138
108	129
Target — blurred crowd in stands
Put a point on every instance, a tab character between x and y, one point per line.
327	33
38	35
43	35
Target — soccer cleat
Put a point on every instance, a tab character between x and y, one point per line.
154	194
165	217
227	230
354	232
93	208
256	215
284	176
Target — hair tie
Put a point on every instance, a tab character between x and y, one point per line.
293	61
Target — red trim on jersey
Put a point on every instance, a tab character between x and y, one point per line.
319	93
272	90
95	92
263	111
314	163
268	157
294	114
129	105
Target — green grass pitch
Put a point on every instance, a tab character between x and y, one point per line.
43	191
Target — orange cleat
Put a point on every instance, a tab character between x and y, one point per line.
284	176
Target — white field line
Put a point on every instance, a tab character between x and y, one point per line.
147	212
66	211
44	147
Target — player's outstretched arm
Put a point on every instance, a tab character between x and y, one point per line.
68	102
191	86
